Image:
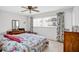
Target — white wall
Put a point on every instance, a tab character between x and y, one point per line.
72	17
68	18
76	16
7	17
50	33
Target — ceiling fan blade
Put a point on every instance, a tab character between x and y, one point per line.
24	10
35	10
35	7
30	8
23	6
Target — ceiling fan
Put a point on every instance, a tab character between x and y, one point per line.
30	8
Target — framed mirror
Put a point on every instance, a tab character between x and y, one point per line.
15	24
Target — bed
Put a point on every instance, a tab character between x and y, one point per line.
28	43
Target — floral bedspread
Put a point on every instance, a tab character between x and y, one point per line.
31	39
29	42
12	46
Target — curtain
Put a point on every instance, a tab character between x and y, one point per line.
60	26
31	23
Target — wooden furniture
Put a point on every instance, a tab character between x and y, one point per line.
19	31
71	41
14	32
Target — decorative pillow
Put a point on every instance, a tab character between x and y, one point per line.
13	38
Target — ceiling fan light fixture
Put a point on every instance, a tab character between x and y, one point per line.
30	8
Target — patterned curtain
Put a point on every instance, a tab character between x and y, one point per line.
31	23
60	26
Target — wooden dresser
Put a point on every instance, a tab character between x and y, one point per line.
19	31
15	32
71	41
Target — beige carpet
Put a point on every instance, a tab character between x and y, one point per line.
54	47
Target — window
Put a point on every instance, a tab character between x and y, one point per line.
45	22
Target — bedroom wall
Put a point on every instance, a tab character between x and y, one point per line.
68	19
76	16
7	17
49	32
71	17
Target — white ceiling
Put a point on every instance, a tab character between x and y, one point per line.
42	9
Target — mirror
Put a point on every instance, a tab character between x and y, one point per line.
15	24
